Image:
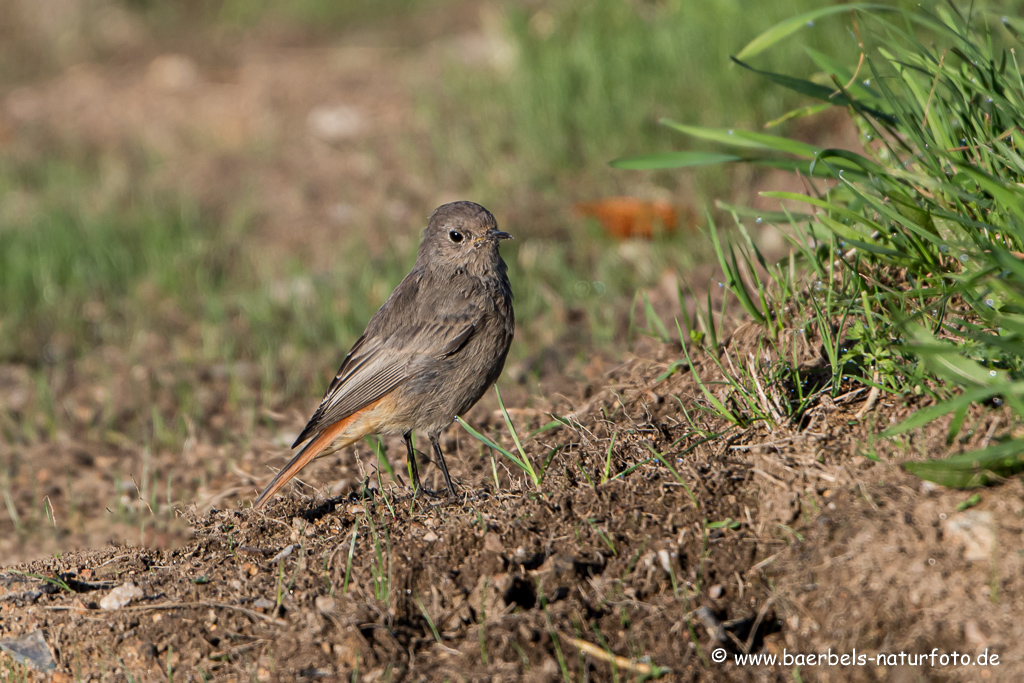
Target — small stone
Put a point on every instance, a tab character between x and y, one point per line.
335	123
559	565
121	596
283	554
342	486
665	558
974	531
430	537
974	635
263	603
492	542
325	604
711	623
716	591
29	649
172	73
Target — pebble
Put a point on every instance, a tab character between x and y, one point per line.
173	73
335	123
283	554
492	542
263	603
121	596
974	530
29	649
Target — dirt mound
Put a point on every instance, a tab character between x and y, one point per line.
503	582
652	545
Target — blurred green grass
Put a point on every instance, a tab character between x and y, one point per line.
78	273
590	82
74	276
145	324
322	15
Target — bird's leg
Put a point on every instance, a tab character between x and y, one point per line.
412	461
444	467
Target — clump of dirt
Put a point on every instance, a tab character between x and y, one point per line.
654	543
606	551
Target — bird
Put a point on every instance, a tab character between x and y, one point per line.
428	354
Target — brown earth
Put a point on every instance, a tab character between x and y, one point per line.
792	540
801	538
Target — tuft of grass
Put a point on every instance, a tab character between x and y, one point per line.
911	253
535	473
380	561
348	560
430	622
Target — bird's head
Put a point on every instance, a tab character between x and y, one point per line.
461	235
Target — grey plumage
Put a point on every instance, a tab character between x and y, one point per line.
430	352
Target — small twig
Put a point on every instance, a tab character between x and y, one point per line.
867	496
765	444
848	396
775	480
605	656
763	563
139	491
185	605
757	622
990	432
252	614
113	559
872	397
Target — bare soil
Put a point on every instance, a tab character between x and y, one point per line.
757	542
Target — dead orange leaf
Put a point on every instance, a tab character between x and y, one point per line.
625	217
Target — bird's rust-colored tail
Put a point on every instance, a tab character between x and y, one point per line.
303	458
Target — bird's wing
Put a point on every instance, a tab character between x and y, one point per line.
377	364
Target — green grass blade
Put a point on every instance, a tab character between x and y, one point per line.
926	415
743	138
491	444
974	469
788	27
662	160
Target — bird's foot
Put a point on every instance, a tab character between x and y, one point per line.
430	493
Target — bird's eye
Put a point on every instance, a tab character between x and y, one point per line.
455	236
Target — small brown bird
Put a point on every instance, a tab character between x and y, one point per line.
431	351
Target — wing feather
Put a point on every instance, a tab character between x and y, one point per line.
376	366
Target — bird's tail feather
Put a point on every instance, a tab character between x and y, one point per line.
303	458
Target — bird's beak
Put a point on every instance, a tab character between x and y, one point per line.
498	234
